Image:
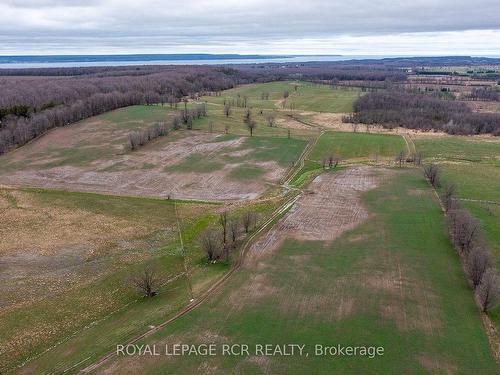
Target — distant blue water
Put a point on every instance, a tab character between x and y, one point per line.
60	61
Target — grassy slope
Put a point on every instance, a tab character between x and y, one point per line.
236	125
323	98
284	151
136	115
31	328
458	148
94	341
474	180
473	165
356	145
308	96
74	309
422	314
112	129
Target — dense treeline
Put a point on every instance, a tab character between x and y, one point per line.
483	93
393	108
36	100
324	72
31	106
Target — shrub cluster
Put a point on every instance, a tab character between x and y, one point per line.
188	115
140	138
217	243
159	129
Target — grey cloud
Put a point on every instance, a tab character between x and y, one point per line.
104	22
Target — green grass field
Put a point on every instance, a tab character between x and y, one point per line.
303	96
322	98
235	125
357	145
473	165
473	180
137	114
86	290
93	341
397	276
283	151
458	148
393	281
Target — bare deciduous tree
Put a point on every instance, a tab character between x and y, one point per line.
448	195
417	158
146	281
400	157
251	125
139	138
336	160
464	229
234	230
249	220
227	109
478	261
223	223
488	290
247	116
332	160
270	119
210	241
433	173
176	123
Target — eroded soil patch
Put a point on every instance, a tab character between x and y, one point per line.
185	165
331	206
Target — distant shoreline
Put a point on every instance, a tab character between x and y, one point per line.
61	61
132	57
84	61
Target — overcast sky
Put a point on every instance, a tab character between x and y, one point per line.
353	27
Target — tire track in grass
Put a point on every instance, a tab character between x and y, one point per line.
197	302
90	325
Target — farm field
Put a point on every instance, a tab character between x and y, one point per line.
183	164
357	145
61	274
355	254
302	96
69	279
353	285
473	165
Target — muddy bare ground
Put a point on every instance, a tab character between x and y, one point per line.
331	205
144	172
